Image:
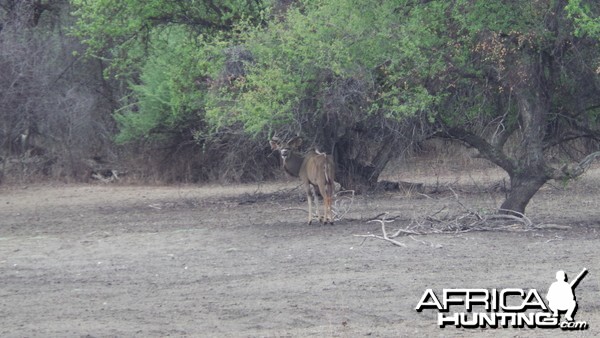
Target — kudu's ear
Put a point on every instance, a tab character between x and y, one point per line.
274	144
295	143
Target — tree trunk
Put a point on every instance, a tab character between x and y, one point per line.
527	167
523	187
354	176
361	158
530	172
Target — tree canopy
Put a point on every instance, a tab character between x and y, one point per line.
516	80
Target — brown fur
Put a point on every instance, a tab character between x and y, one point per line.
314	169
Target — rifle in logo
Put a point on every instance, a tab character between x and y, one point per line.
579	278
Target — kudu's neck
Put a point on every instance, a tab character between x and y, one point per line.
293	163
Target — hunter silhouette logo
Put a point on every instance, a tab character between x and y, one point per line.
512	307
561	295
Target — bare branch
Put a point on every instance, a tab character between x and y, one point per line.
385	236
521	218
443	221
342	204
569	172
487	150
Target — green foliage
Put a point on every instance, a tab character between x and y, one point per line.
166	50
349	39
170	97
413	55
454	61
123	31
103	24
586	15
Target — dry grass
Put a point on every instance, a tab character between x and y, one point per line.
229	259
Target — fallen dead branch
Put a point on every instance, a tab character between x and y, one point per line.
448	220
519	217
105	176
431	244
294	209
342	203
385	236
556	238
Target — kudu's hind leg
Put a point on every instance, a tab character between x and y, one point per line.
325	193
309	199
328	212
316	197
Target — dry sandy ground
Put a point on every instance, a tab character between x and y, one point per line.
127	261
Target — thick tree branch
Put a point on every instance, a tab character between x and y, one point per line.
560	140
503	132
486	150
572	171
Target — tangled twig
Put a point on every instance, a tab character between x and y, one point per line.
443	221
343	203
385	236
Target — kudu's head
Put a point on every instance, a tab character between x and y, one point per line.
292	160
285	148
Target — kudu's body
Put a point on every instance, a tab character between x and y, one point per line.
314	169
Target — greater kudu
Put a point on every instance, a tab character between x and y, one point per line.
314	168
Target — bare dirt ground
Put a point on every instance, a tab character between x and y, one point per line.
147	261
